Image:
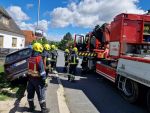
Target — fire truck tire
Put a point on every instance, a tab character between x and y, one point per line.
130	90
148	100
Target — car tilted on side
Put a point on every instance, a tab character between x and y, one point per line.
16	64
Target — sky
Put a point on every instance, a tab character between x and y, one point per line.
57	17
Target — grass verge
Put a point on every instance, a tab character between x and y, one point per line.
4	97
1	69
8	90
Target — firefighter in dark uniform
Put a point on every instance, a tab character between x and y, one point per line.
73	62
54	58
84	65
70	48
37	79
66	55
47	57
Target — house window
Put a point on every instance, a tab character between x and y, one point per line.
14	42
1	41
4	20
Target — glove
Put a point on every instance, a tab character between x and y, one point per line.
45	82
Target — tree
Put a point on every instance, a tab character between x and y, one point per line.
67	36
41	40
66	41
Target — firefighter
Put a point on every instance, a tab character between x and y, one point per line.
84	65
70	48
47	57
73	62
54	58
37	79
66	55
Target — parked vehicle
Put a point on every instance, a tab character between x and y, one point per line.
16	64
120	52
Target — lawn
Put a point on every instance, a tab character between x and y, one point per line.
8	90
4	97
1	69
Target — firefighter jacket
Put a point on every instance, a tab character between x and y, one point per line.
36	66
73	59
47	56
54	55
66	55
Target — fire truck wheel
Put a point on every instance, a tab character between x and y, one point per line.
130	90
148	100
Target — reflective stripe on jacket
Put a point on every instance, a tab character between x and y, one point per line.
54	55
73	59
66	55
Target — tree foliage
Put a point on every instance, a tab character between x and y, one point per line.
41	40
63	44
67	36
66	41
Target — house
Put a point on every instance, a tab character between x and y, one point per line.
29	37
11	37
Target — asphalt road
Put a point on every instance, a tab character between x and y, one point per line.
91	93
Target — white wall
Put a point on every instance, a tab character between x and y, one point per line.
8	40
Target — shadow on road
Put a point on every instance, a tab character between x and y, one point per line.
102	93
20	94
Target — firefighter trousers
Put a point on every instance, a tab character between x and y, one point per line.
65	67
53	64
36	85
72	69
72	72
47	72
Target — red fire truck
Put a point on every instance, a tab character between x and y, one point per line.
120	52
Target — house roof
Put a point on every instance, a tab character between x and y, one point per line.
29	36
12	27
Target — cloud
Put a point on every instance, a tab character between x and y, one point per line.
17	14
54	37
26	26
29	6
43	25
20	18
61	17
88	13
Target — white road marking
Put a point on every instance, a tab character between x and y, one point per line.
63	108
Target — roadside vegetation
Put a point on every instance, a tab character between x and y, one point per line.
66	41
8	90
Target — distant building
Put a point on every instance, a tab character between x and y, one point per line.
11	37
29	36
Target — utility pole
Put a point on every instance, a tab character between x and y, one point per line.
38	31
38	13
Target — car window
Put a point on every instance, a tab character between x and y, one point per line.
18	55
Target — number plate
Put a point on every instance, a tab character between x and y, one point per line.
19	63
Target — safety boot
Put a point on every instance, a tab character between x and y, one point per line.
68	77
43	108
72	78
31	106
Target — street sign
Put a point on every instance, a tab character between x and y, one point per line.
39	33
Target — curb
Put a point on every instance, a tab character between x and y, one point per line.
63	108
